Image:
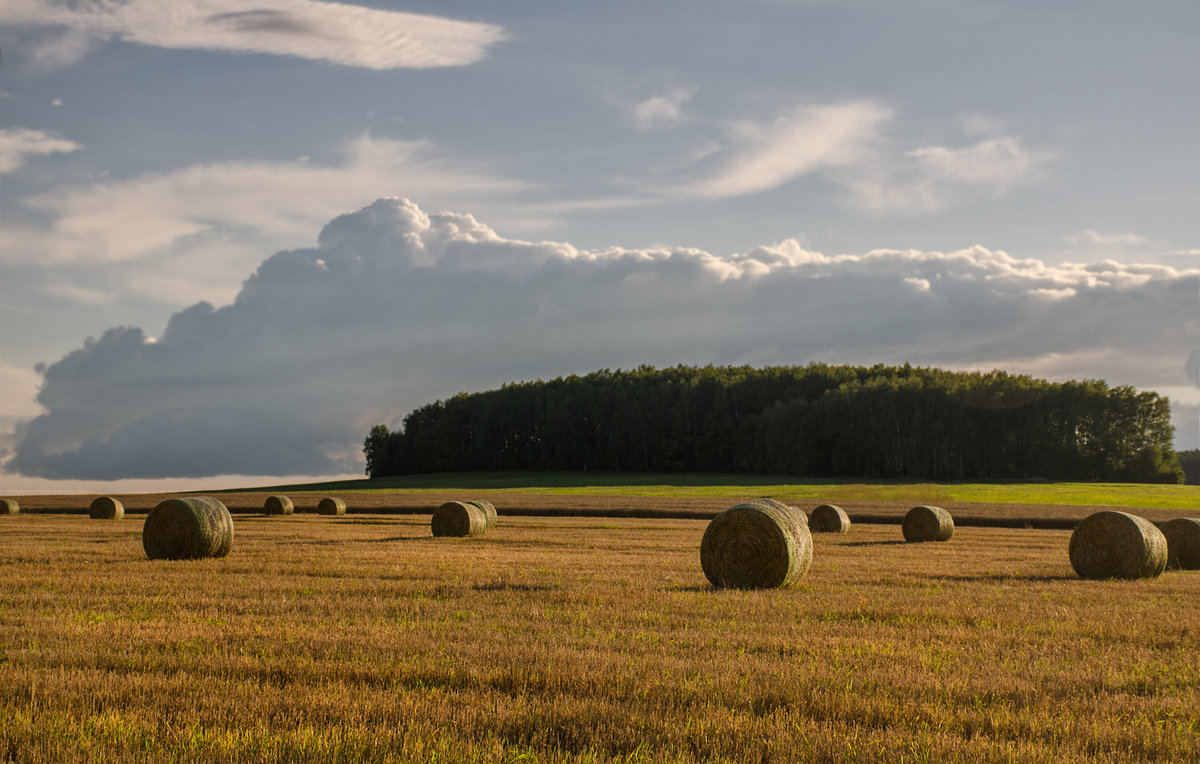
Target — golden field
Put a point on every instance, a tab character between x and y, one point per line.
568	639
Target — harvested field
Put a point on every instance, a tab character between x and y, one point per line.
1046	516
557	639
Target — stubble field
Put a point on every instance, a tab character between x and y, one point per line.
559	639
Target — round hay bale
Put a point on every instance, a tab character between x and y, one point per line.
106	508
454	518
927	524
1113	544
188	529
331	505
829	518
760	544
278	505
9	507
489	511
1183	542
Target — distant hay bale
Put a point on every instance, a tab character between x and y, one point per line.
9	507
1113	544
759	544
927	524
489	511
454	518
829	518
1183	542
331	505
278	505
188	529
106	508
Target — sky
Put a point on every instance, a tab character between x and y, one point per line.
235	234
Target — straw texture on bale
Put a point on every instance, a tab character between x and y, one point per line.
489	511
927	524
279	505
106	508
1183	542
188	529
1113	544
829	518
454	518
331	505
9	507
760	544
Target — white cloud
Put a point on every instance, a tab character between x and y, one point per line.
222	216
18	143
932	178
662	110
1093	239
801	141
396	307
340	33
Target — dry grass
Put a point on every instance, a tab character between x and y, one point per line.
9	507
577	640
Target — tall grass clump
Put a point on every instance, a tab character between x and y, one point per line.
760	544
925	523
106	508
1113	544
188	529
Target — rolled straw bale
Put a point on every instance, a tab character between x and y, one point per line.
756	545
927	524
106	508
1113	544
278	505
454	518
1183	542
9	507
829	518
489	511
331	505
188	529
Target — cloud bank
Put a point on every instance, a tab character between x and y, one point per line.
395	307
349	35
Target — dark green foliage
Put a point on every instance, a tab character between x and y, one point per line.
1190	462
834	421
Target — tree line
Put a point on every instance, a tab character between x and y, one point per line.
816	420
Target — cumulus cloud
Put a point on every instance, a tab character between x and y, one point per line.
216	213
395	307
340	33
18	143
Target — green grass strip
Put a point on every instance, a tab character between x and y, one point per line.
736	486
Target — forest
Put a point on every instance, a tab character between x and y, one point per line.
878	422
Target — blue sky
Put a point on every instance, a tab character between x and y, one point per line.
974	185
